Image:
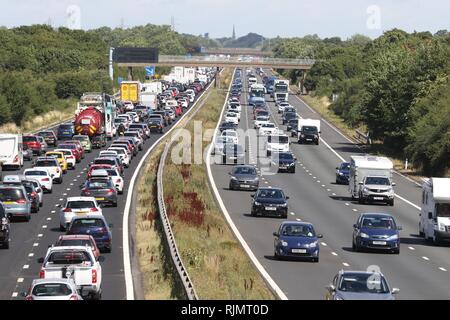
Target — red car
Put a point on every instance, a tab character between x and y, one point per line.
178	110
73	147
35	143
79	240
79	147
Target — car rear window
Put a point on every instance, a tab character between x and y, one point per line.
98	223
46	134
97	184
11	194
51	290
46	163
112	172
36	173
74	242
81	204
67	146
104	161
69	257
29	139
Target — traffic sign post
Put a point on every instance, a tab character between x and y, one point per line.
149	71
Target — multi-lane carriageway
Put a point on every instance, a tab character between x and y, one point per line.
421	270
30	240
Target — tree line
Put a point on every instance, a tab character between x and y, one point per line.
396	86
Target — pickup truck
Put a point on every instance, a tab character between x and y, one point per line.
77	263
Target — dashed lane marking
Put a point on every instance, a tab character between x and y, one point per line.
347	204
442	269
355	210
411	248
20	280
426	258
324	244
49	218
334	254
345	264
53	211
35	244
31	254
27	266
292	214
14	294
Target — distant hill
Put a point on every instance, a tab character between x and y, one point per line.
251	40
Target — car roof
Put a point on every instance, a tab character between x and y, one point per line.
300	223
368	214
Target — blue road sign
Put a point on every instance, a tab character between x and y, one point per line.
149	71
119	80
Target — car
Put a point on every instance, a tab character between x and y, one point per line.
296	239
113	161
376	231
360	285
85	142
156	123
144	127
52	289
15	201
282	105
244	177
133	139
60	157
123	155
98	166
266	129
277	143
27	153
49	137
231	133
97	227
343	173
79	146
134	116
103	190
233	153
73	147
376	189
78	240
35	143
52	166
231	117
288	116
31	190
292	126
77	206
5	227
125	144
98	141
38	189
261	120
284	161
220	144
65	131
270	201
69	156
42	175
113	174
227	126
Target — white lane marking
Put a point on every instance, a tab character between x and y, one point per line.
61	199
411	248
64	194
442	269
35	244
31	254
355	210
298	219
314	177
68	189
44	226
347	204
328	190
323	186
266	182
292	214
53	211
310	174
408	202
77	176
40	235
48	219
14	294
307	170
71	185
345	264
318	181
426	258
333	194
19	280
332	150
324	244
334	254
26	266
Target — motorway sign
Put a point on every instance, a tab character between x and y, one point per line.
150	70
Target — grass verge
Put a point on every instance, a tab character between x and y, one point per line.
216	263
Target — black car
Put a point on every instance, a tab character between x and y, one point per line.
292	126
33	196
244	177
233	153
156	123
4	229
227	126
343	173
284	161
98	141
102	189
49	137
289	116
308	134
270	201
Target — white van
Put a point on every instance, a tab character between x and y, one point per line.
11	154
252	81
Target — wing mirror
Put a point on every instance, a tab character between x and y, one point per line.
41	260
252	195
399	228
331	288
430	215
276	234
287	198
24	294
393	184
395	290
361	183
111	225
58	205
319	236
355	226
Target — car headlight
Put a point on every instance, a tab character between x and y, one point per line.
256	203
284	243
340	173
389	189
233	178
337	298
366	189
302	135
363	235
441	227
311	245
393	237
283	205
291	164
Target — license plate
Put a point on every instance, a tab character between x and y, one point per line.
99	198
283	167
308	139
298	250
244	186
377	198
271	208
82	213
380	243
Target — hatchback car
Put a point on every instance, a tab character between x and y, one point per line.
4	227
65	131
295	239
52	166
77	207
69	156
85	142
283	161
42	176
97	227
377	231
79	147
49	137
73	147
15	202
360	285
244	177
60	157
269	201
103	190
343	173
227	126
35	143
52	289
113	174
156	123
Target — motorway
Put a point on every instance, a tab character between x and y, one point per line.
30	240
420	270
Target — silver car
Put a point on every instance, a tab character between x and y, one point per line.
360	285
15	201
39	190
52	289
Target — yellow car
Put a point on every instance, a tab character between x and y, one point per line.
60	157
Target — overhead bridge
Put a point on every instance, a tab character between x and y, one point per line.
238	51
232	61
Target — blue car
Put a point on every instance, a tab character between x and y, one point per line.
94	225
343	173
66	131
296	239
376	231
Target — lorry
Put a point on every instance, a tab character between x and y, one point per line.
95	115
257	90
280	90
308	130
155	87
434	222
11	154
370	179
130	91
149	99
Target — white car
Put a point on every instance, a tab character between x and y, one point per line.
42	175
129	106
220	143
127	117
282	106
231	117
267	129
123	155
191	94
52	166
232	134
184	103
260	120
69	156
113	173
134	116
235	109
52	289
277	143
235	105
78	206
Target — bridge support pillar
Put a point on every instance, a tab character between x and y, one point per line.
130	73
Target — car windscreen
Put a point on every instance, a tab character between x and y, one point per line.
298	231
278	139
378	223
363	282
270	194
65	127
380	181
112	172
345	166
244	170
46	134
69	257
67	146
285	156
309	129
443	209
36	173
80	204
51	290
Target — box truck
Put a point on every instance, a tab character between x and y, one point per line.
370	179
11	154
434	214
130	91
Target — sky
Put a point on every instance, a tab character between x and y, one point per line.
270	18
